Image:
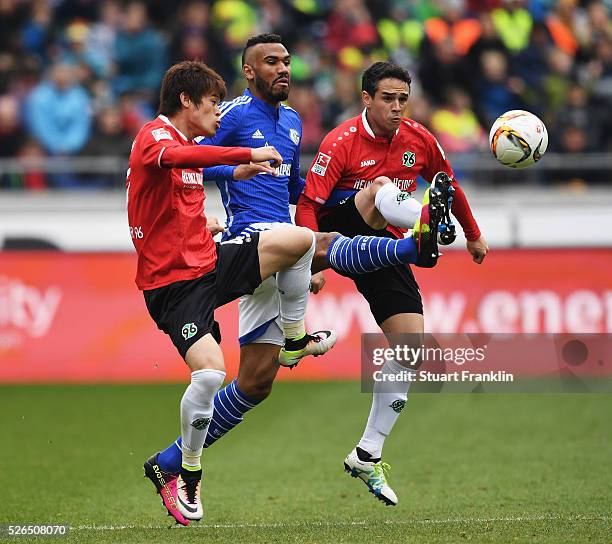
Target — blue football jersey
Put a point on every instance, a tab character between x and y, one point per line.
249	122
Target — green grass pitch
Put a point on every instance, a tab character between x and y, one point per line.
478	468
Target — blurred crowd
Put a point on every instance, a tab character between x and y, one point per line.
79	77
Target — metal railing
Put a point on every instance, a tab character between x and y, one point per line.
475	167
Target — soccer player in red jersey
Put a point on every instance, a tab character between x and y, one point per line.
360	183
184	275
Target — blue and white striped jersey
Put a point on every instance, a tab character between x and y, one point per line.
249	122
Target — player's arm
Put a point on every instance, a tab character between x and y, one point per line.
159	150
201	156
237	173
476	244
323	175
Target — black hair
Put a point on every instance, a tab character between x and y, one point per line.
260	38
193	78
382	70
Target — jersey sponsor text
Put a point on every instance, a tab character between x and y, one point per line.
284	169
402	184
192	179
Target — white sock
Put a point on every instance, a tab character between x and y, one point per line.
293	285
388	400
196	411
398	208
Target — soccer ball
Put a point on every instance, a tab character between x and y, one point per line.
518	139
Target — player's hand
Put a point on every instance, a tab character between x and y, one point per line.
264	154
247	171
478	249
317	282
214	226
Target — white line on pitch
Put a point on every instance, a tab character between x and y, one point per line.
519	519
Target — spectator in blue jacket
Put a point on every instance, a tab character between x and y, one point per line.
58	112
140	53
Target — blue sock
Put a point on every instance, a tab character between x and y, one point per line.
230	405
363	254
170	459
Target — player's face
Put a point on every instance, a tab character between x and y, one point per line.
206	117
386	107
268	67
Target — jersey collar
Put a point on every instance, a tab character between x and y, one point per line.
369	131
167	121
264	106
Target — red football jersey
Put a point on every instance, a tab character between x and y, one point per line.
351	157
166	211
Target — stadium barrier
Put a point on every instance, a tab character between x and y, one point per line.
75	317
472	162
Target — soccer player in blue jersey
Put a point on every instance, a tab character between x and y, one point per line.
258	118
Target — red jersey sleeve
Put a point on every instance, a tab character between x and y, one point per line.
437	161
306	213
461	208
159	149
326	169
462	211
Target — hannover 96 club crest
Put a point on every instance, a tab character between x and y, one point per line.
408	159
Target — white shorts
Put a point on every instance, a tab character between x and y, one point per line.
259	313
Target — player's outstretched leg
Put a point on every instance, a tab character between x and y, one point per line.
363	254
289	252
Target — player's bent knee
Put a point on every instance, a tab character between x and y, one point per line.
290	241
380	181
304	240
283	248
367	196
377	184
299	244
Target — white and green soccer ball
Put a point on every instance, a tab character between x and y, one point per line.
518	139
